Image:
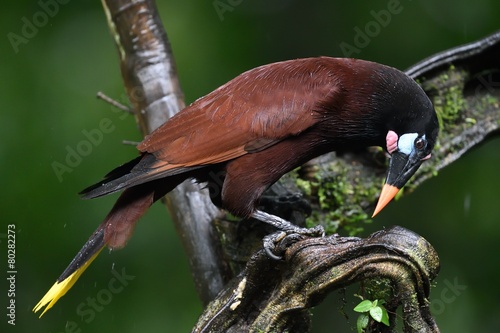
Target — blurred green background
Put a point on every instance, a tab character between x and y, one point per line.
48	86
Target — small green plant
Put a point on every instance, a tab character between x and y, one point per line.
374	309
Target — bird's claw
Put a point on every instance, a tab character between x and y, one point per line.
276	244
270	244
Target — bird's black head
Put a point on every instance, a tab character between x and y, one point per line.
411	128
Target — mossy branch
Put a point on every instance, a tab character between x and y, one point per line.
271	296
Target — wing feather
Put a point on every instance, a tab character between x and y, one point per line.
249	113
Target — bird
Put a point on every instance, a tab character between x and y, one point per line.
243	136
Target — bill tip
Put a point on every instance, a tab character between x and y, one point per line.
388	192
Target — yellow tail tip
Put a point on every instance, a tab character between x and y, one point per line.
61	287
55	292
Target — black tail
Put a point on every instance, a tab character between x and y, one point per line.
113	181
114	231
138	171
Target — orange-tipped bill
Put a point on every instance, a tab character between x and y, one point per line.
401	167
388	192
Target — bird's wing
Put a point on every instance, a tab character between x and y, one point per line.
253	111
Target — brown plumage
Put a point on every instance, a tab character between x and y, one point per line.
245	135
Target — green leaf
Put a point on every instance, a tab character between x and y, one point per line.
379	313
364	306
385	316
376	313
362	322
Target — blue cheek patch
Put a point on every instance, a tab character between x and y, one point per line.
406	142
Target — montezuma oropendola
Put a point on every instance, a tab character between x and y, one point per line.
257	127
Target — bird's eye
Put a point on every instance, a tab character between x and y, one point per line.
419	143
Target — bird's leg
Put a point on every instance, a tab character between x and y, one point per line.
288	233
284	225
290	206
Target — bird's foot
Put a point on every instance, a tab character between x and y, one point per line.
276	243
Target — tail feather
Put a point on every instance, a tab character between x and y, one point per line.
83	259
115	174
135	172
114	232
118	178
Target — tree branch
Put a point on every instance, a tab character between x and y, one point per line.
150	77
271	296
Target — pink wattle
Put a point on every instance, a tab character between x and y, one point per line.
391	141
